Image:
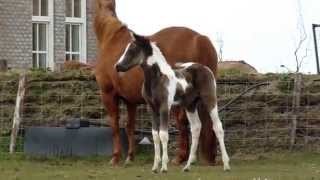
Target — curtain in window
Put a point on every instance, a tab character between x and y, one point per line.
44	7
42	37
73	8
77	8
68	8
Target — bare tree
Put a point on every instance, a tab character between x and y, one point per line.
302	38
298	81
221	44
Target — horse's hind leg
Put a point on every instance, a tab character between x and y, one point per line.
183	137
195	126
217	127
111	103
130	131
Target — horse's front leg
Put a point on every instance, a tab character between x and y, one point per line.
111	102
164	135
130	131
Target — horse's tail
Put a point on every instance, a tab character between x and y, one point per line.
207	54
208	141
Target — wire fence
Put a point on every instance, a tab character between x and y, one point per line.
258	121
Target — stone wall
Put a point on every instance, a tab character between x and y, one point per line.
16	33
91	37
59	31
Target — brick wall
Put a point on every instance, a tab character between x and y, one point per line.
91	37
16	32
59	31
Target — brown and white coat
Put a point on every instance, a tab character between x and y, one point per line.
164	87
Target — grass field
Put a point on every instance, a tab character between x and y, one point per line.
284	166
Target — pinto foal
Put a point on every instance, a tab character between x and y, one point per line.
165	87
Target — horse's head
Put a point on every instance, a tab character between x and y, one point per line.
106	7
136	53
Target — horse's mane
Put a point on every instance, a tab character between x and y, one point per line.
106	27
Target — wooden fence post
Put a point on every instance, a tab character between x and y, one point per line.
17	112
297	90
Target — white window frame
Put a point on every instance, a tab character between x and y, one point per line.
50	32
37	51
70	52
82	21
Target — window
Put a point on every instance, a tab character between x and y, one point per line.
73	8
73	40
42	34
40	8
75	30
39	45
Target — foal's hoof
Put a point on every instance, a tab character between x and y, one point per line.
226	168
186	169
164	170
155	170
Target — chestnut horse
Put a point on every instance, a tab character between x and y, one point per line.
178	44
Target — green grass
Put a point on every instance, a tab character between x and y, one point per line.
284	166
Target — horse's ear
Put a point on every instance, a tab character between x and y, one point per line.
106	7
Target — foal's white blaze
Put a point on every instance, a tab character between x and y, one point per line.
186	65
132	35
217	127
195	126
156	141
123	55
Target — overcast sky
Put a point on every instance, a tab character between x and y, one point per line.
261	32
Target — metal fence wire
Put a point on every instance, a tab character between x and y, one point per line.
260	120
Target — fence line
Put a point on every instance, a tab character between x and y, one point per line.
258	121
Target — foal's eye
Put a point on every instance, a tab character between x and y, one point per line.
133	45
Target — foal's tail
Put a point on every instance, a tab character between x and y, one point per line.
208	140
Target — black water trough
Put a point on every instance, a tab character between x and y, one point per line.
76	139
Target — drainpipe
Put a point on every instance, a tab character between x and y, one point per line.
314	26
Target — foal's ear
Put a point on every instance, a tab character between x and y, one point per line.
140	39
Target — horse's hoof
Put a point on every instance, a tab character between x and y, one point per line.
128	162
114	161
177	161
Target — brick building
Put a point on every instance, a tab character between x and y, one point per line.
45	33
